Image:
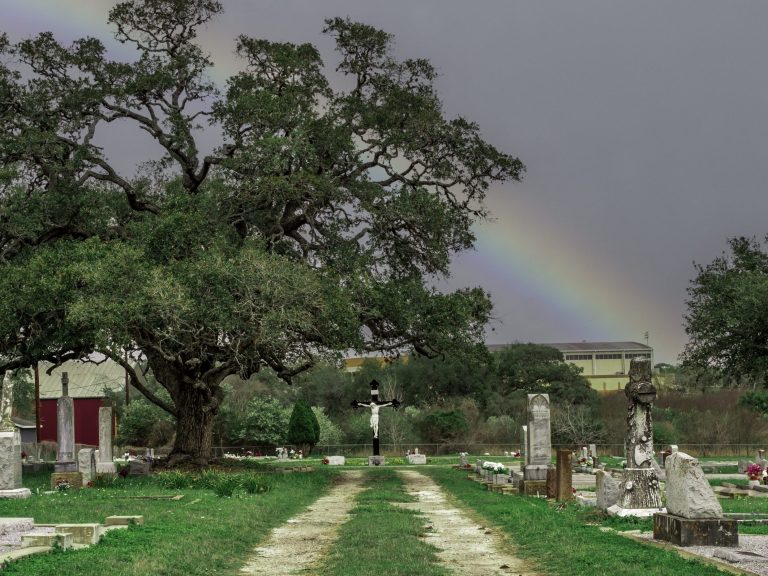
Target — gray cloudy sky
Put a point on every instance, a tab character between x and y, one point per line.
643	126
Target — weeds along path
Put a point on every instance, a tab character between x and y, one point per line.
466	547
296	545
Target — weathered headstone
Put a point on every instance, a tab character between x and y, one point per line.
539	448
10	447
551	482
65	467
86	464
463	462
593	451
743	465
688	491
104	461
694	516
640	494
336	460
564	475
606	490
417	458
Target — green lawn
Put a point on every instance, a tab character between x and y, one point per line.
201	534
381	538
568	541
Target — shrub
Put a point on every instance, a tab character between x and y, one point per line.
303	428
225	485
174	479
255	484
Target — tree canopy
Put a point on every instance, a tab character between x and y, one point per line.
727	316
317	223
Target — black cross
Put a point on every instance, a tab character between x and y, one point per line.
375	402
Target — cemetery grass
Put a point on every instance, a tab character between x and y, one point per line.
201	534
381	538
564	542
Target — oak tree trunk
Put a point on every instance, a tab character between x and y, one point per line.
194	425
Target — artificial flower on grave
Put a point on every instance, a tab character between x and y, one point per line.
326	460
495	467
754	471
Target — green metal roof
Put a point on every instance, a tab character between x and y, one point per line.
86	379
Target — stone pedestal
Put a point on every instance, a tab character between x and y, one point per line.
533	487
376	461
564	476
536	472
695	531
74	479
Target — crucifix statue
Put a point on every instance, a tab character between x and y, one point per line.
375	405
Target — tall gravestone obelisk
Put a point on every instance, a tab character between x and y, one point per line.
65	468
639	490
10	447
105	463
538	453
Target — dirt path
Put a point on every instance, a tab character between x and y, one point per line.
303	540
466	547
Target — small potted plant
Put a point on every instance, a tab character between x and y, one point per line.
754	472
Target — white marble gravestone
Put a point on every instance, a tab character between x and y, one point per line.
539	445
10	448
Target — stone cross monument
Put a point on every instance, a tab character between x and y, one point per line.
639	490
65	467
374	405
10	447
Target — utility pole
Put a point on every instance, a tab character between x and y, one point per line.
37	402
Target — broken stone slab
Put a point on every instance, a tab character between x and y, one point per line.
8	525
81	533
16	493
689	494
63	540
123	520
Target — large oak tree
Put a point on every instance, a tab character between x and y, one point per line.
317	224
727	319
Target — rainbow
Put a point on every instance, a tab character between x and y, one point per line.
534	260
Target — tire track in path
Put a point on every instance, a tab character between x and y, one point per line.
304	539
465	547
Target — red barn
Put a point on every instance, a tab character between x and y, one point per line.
88	386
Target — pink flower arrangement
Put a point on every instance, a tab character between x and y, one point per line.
754	471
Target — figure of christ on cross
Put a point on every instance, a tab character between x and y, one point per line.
374	405
374	414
